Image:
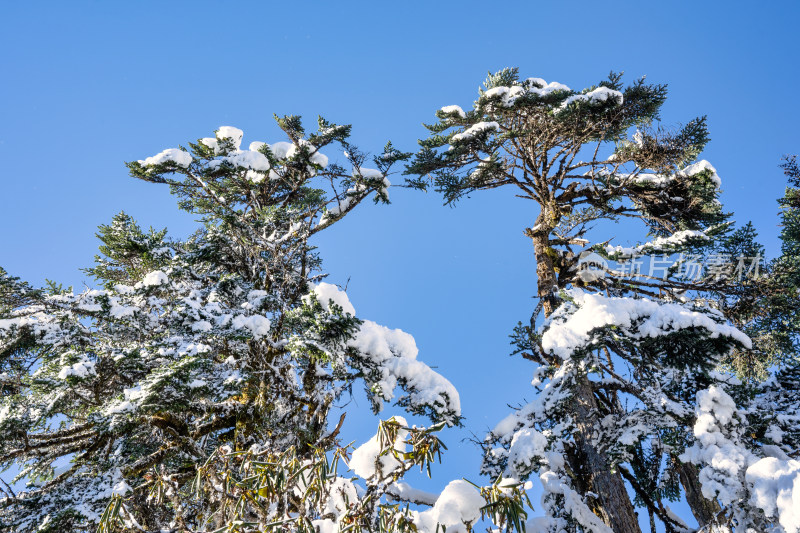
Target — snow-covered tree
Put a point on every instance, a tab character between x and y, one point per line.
748	445
192	390
628	349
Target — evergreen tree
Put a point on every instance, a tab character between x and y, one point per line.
749	441
626	357
192	391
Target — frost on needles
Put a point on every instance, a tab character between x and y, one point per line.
191	391
649	389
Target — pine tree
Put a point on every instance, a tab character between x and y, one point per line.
756	422
621	354
192	390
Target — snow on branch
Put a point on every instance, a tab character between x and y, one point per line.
574	325
388	358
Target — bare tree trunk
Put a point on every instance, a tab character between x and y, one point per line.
704	510
615	507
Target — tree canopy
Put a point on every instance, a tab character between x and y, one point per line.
629	360
195	389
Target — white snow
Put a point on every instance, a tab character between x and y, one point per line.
405	492
568	333
721	458
638	138
662	180
770	450
546	88
394	353
154	278
774	433
526	445
700	166
249	160
365	461
341	493
255	146
256	163
319	159
255	298
257	324
170	155
536	86
450	109
675	241
316	157
128	403
729	471
475	129
80	369
121	311
224	132
384	343
656	180
573	503
598	95
229	132
202	326
344	203
280	149
328	293
211	142
121	488
775	488
371	173
458	506
123	289
508	95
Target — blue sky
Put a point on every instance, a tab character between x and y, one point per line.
87	86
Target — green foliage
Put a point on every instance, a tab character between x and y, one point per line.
172	387
252	483
502	78
620	401
543	136
128	253
766	307
506	505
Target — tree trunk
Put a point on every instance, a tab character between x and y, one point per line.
545	272
704	510
615	507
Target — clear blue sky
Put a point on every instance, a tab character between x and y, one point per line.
87	86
